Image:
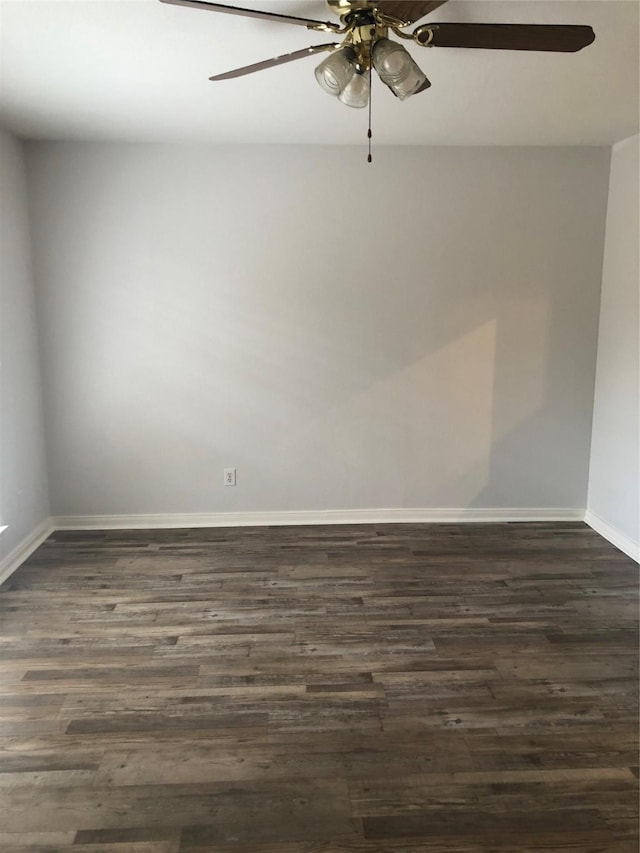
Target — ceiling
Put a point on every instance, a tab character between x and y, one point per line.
137	71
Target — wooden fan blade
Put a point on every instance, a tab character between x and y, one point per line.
408	11
255	13
277	60
562	38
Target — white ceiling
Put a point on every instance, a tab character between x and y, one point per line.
137	70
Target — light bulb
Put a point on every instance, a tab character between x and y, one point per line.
397	69
356	92
336	71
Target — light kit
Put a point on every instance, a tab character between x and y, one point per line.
345	73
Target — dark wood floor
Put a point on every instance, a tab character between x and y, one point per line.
406	688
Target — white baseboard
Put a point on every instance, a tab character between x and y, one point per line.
296	517
613	535
340	516
337	516
25	549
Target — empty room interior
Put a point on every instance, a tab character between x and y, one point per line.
319	426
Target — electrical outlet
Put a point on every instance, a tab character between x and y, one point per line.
229	476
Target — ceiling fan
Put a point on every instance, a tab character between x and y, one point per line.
366	26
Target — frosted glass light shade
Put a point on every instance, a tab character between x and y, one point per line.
356	92
397	69
336	71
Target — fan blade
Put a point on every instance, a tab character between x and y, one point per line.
408	11
277	60
566	39
254	13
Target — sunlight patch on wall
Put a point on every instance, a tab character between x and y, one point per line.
428	426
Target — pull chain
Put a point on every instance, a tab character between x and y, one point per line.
369	134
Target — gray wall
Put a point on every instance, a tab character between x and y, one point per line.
23	482
420	332
615	451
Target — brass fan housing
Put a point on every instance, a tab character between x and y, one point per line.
344	7
362	26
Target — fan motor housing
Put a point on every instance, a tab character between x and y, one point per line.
345	7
